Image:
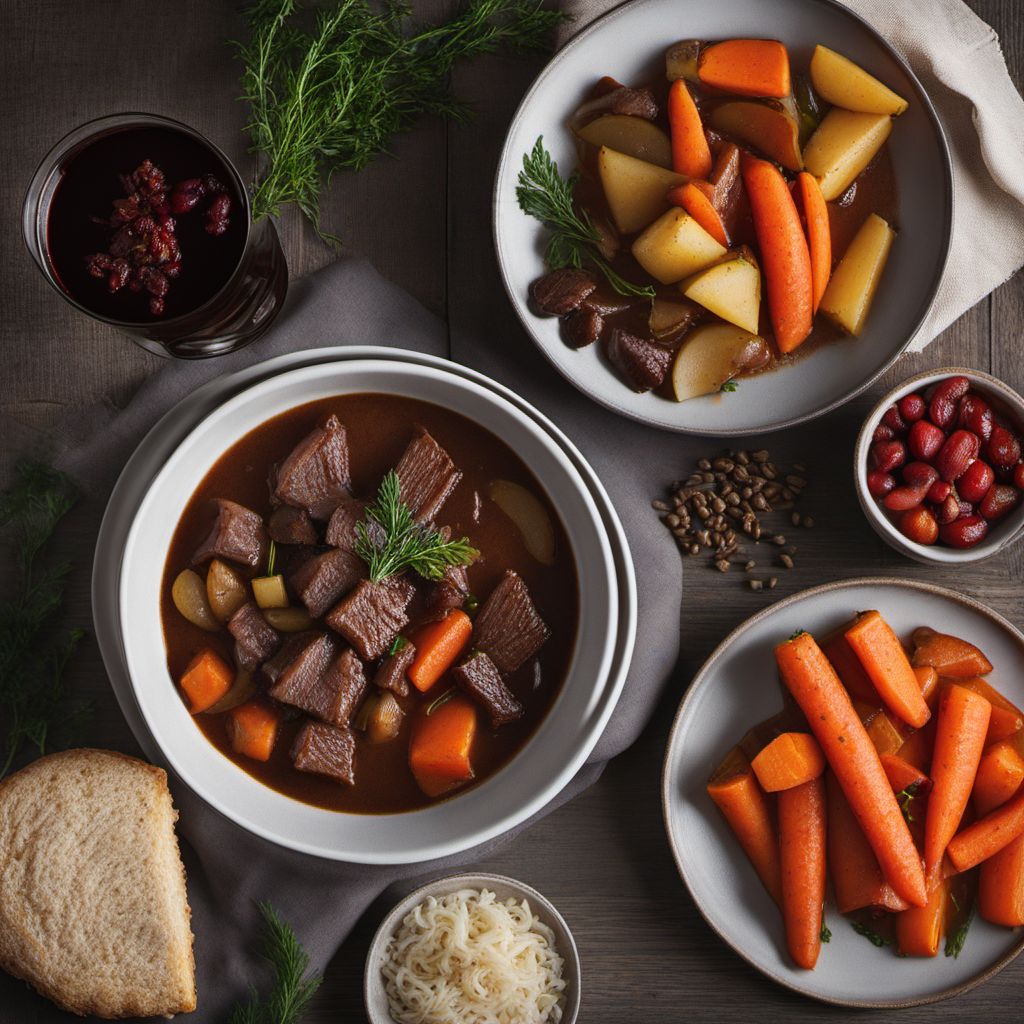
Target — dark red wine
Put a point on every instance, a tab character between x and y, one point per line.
78	223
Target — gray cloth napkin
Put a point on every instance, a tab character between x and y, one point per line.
228	868
961	66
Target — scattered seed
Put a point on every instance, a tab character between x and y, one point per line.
773	582
660	506
755	584
808	522
708	478
799	467
759	456
797	482
703	463
779	539
795	518
786	560
750	566
723	564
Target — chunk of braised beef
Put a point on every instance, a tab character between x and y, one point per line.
321	580
508	627
391	673
372	615
610	97
341	529
451	591
559	292
582	327
343	686
322	682
290	525
640	362
606	301
297	681
291	647
255	639
237	535
315	476
326	750
426	476
479	677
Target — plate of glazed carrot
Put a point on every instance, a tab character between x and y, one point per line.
844	792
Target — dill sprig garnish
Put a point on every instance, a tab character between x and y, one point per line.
332	94
32	663
293	988
956	939
389	540
544	194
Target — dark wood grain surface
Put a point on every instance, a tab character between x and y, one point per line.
423	217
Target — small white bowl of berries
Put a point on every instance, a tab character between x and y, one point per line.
938	466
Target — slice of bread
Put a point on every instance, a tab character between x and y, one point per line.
93	908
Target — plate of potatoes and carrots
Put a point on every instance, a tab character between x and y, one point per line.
844	792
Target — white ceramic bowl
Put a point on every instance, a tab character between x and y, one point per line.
545	764
503	887
629	43
1004	532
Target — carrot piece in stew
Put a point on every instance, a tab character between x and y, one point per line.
438	644
695	201
746	67
903	775
919	929
789	760
439	751
691	154
206	679
811	204
252	729
802	845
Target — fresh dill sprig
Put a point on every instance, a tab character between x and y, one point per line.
330	91
293	988
389	540
955	941
870	934
905	797
826	933
32	663
545	195
730	385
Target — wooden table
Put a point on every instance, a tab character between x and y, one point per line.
423	218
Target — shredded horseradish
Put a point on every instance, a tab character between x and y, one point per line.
469	958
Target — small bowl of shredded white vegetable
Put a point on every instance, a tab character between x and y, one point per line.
473	949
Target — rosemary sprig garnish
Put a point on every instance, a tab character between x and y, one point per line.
293	988
543	194
389	540
332	94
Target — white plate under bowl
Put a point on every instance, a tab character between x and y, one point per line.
735	690
629	44
540	770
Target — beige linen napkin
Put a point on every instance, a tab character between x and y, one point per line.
959	61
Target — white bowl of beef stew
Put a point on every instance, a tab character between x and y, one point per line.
534	723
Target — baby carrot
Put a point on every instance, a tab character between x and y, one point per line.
789	760
438	644
988	835
746	67
919	929
902	775
1001	878
691	154
1000	773
696	202
849	669
785	258
819	234
252	729
811	680
802	845
206	679
959	740
949	655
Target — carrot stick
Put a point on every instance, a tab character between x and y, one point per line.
811	204
438	644
1002	725
960	730
802	845
1000	774
883	732
691	154
1001	878
439	750
919	929
736	792
988	835
746	67
887	665
785	258
917	747
252	729
789	760
813	683
950	656
852	865
928	680
694	200
903	775
849	669
206	679
1007	719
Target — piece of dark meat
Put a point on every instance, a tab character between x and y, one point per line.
640	362
343	686
728	186
426	476
289	525
315	476
480	678
298	681
612	98
451	591
321	580
582	327
323	683
559	292
372	615
237	535
606	301
341	530
326	750
391	674
291	647
508	627
255	639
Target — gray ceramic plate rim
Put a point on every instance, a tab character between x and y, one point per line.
539	904
700	679
1007	532
527	319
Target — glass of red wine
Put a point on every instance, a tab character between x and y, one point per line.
142	223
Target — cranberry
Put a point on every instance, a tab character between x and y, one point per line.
1018	476
911	407
976	481
883	433
976	415
999	500
959	451
948	510
920	474
919	525
924	440
903	498
880	483
1003	448
964	532
944	396
893	419
217	215
939	492
186	195
887	455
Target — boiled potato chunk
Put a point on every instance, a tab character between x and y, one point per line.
843	146
853	284
675	246
635	189
844	84
712	355
633	136
768	127
730	289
